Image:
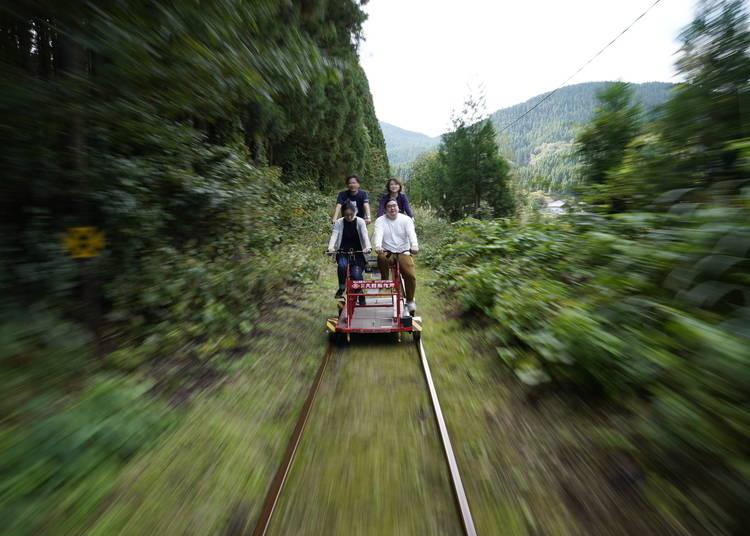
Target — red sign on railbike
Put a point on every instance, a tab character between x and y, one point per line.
358	285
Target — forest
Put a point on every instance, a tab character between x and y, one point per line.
540	144
152	369
200	140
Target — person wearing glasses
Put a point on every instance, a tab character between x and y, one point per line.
395	240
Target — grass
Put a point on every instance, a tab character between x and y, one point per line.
210	475
370	461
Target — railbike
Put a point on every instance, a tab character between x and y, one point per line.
384	308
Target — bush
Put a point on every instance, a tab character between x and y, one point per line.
650	309
61	460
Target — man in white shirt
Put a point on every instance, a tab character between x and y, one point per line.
394	233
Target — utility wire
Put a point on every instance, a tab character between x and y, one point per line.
578	71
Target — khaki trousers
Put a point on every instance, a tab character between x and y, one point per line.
406	263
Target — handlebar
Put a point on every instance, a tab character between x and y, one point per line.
409	251
353	251
346	251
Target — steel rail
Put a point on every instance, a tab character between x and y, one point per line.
274	491
458	488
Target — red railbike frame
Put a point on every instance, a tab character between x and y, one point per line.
355	288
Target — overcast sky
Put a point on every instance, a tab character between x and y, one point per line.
422	56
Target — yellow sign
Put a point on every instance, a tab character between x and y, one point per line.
82	242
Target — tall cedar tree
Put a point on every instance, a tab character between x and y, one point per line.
474	177
601	145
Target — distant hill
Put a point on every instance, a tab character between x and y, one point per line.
538	144
403	146
556	119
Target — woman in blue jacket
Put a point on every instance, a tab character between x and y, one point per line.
393	191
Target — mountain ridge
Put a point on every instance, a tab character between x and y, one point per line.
404	145
538	143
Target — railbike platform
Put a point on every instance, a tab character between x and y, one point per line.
377	316
384	310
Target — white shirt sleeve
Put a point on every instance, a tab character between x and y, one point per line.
377	236
412	233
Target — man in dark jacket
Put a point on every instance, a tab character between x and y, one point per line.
353	194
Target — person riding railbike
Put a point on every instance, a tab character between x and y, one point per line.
353	194
394	190
349	234
395	238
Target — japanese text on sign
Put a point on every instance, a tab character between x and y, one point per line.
372	284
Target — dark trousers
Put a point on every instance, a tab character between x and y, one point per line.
356	269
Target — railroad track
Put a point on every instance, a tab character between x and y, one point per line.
277	484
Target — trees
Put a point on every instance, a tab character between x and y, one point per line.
600	146
423	186
121	113
691	143
712	106
332	130
157	124
472	178
466	176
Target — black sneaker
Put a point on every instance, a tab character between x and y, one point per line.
362	300
339	293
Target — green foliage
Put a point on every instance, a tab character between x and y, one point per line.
197	137
216	290
61	464
710	108
649	307
424	179
430	229
561	115
156	126
468	176
65	433
689	146
339	134
600	146
550	169
148	122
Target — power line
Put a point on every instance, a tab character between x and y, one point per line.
578	71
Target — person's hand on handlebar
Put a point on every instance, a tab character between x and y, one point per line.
330	251
379	250
366	251
414	251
